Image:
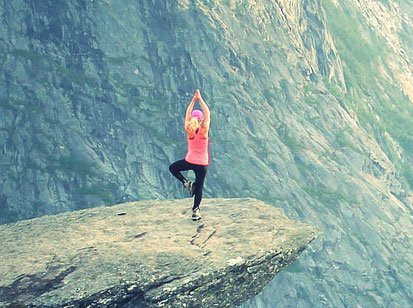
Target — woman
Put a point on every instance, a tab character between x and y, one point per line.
197	157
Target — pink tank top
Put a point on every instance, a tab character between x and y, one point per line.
198	150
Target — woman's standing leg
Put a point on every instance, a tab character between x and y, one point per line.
200	173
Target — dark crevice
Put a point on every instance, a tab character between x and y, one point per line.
28	287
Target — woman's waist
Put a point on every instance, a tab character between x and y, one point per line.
197	160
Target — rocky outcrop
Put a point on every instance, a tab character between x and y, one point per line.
148	253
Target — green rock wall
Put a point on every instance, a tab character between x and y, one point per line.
310	112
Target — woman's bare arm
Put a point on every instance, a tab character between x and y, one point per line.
205	110
189	110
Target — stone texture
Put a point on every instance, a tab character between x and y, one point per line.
308	113
148	253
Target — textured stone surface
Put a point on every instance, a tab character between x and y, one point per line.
148	253
308	113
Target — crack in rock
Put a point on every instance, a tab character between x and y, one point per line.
203	235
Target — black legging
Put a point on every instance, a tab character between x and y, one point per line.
200	173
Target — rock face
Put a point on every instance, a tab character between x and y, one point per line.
310	112
148	253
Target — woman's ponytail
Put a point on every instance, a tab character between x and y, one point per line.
192	126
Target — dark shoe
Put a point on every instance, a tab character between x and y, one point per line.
190	186
196	215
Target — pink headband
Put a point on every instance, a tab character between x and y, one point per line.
197	114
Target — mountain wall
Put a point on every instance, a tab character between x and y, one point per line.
311	111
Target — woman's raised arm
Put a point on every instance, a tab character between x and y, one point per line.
205	110
189	110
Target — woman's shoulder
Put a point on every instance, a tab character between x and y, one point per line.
203	134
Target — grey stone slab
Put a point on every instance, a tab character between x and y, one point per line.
148	253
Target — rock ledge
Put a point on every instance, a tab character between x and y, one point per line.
148	253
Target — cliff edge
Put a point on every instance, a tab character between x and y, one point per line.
148	253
